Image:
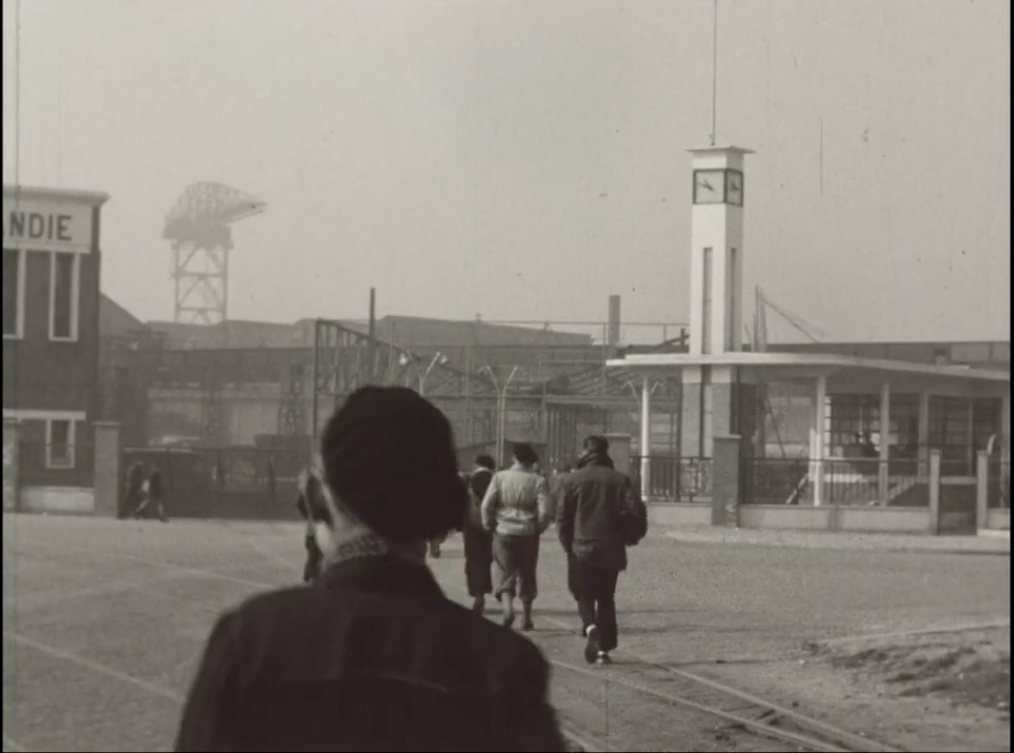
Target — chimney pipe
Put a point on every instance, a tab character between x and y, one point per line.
613	334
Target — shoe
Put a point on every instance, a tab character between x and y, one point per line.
527	626
478	605
164	519
591	648
603	658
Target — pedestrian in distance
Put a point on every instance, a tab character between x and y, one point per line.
517	510
133	491
310	504
153	494
600	516
478	541
373	656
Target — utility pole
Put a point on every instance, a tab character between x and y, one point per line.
372	334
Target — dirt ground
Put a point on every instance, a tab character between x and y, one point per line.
918	691
104	622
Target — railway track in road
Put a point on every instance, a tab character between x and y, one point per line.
637	704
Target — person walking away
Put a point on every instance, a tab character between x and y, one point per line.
600	516
311	498
557	490
517	510
478	541
373	656
153	494
133	495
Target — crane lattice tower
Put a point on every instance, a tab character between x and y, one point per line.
198	227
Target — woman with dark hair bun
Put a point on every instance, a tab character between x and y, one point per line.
478	541
517	508
373	656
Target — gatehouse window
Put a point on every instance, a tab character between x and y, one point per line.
64	295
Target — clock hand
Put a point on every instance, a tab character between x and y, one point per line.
707	185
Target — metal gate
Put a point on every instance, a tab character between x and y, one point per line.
244	483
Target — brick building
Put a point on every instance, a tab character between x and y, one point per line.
51	263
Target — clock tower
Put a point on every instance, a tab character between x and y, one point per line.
716	293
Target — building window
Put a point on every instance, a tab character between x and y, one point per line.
59	443
14	292
64	284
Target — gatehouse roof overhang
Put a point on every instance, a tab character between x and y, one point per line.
804	364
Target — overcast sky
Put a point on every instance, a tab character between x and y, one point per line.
525	159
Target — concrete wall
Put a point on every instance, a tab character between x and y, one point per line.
57	499
998	519
681	515
107	468
884	519
785	516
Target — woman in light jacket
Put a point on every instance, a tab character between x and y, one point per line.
517	509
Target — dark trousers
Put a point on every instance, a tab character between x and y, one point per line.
517	559
435	544
572	575
478	560
129	503
597	601
314	559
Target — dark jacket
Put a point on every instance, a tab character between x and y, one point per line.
372	658
478	483
595	499
155	486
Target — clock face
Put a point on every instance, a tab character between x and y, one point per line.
709	186
734	187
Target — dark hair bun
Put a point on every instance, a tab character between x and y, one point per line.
389	458
525	453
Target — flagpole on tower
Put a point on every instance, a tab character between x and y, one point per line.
714	74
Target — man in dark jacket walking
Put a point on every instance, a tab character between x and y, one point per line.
373	656
600	515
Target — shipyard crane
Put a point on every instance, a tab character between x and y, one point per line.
199	230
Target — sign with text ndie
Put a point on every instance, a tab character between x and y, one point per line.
47	224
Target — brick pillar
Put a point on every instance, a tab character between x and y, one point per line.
107	468
981	489
10	465
725	481
619	450
690	421
934	493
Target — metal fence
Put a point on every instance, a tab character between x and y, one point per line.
674	478
776	481
846	482
226	482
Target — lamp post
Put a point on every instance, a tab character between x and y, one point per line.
501	409
439	358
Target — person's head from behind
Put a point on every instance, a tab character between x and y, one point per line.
485	461
390	467
525	455
596	445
